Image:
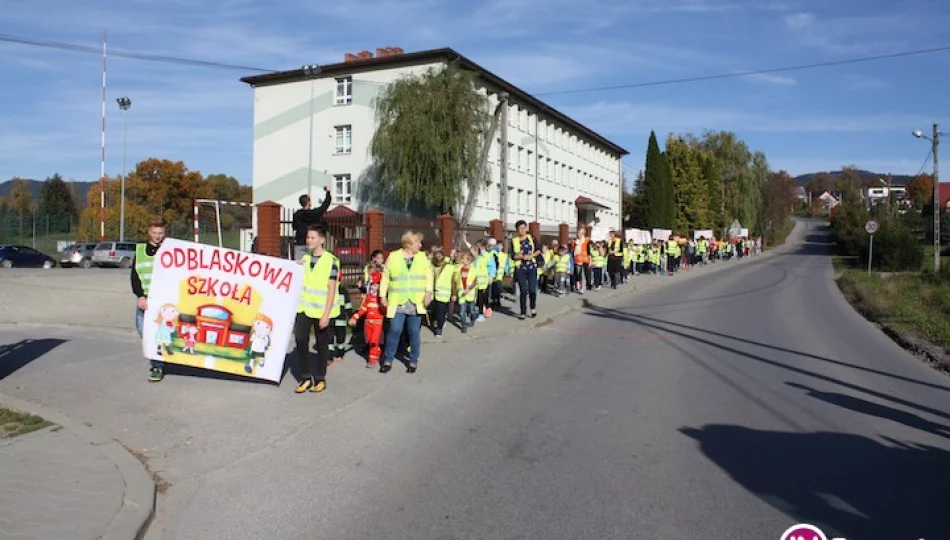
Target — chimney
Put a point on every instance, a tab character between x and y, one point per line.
382	51
350	57
397	50
364	55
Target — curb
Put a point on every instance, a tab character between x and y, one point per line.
138	502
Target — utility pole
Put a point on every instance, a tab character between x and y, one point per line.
124	104
936	144
503	184
311	71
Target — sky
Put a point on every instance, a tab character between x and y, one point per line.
804	121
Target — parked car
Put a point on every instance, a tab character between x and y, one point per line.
114	254
78	254
23	257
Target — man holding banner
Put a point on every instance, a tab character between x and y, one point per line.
317	306
142	279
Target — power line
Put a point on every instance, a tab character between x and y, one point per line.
128	54
752	72
924	164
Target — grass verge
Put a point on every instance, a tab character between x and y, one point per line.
908	305
13	423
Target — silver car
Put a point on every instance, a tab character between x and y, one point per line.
78	254
114	254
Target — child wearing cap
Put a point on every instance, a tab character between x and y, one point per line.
562	271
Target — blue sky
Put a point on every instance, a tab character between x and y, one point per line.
804	121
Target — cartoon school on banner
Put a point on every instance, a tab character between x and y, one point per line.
221	309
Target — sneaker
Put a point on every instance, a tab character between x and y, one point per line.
464	330
304	385
371	364
384	368
481	318
155	374
412	368
320	386
521	316
438	336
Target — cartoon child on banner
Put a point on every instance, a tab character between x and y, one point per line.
167	324
260	341
189	335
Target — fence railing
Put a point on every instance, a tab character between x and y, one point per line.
43	232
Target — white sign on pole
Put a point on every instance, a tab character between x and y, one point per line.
662	234
743	233
707	234
221	309
599	234
871	226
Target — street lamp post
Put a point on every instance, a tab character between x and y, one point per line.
311	71
935	142
124	104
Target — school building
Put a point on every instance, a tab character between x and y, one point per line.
313	127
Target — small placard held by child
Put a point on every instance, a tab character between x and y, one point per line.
221	309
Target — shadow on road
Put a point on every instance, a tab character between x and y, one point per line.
873	409
848	485
654	323
14	356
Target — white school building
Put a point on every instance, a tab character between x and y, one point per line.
558	170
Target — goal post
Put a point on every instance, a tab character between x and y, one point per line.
217	215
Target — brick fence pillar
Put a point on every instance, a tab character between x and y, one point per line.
268	229
375	221
534	228
563	233
446	232
496	230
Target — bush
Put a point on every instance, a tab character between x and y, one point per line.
896	247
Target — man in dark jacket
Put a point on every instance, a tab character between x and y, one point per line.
306	217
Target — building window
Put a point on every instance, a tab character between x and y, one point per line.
512	113
344	139
511	156
342	188
486	195
344	91
530	164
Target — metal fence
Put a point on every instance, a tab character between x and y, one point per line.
44	232
346	239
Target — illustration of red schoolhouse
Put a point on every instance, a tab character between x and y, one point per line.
215	326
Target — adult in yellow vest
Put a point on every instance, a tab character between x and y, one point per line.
524	250
614	259
141	279
671	255
405	292
317	306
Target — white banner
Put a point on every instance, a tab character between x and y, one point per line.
662	234
707	234
599	234
743	233
221	309
637	236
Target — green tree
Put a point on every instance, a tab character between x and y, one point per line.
21	201
717	220
56	200
691	194
734	160
428	138
633	204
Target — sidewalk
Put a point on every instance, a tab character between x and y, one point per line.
69	482
551	307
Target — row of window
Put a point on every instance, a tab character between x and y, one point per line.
524	120
521	202
550	170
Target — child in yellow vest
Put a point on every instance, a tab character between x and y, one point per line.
466	289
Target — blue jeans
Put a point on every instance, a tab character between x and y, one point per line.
412	324
466	311
527	288
139	323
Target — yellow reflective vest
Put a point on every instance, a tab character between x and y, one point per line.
316	286
562	263
401	284
460	290
481	270
445	283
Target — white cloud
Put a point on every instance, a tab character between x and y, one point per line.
626	118
771	78
799	21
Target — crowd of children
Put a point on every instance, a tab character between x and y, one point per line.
469	281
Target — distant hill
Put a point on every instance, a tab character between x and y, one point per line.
866	176
80	189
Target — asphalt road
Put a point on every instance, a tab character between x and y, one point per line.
728	406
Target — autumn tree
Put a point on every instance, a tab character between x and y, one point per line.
168	189
428	139
820	182
778	200
920	190
691	194
56	201
21	200
136	214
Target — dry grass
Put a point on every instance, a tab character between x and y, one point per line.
161	485
13	423
908	303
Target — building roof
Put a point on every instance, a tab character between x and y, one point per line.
434	55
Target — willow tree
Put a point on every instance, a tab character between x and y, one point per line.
429	139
